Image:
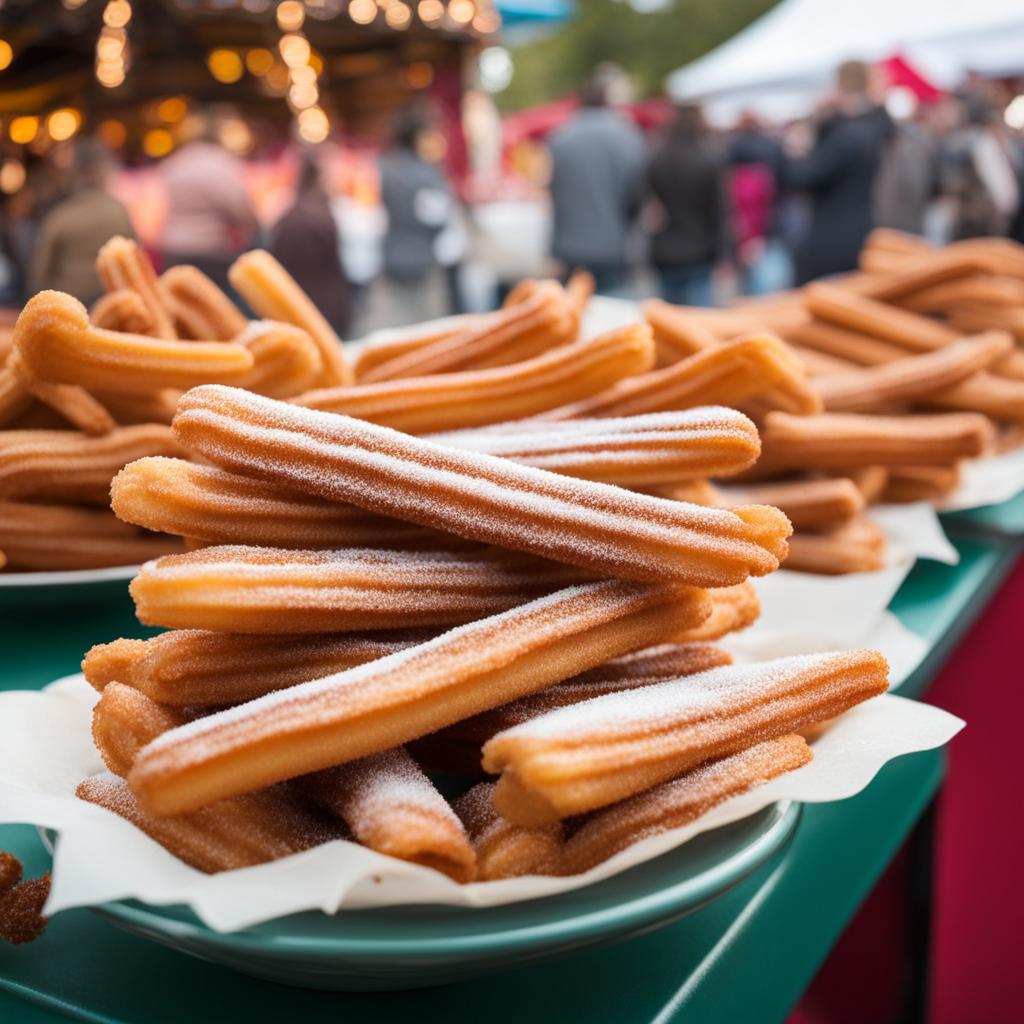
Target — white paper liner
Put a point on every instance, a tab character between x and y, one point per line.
988	481
46	749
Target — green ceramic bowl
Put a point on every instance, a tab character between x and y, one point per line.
410	947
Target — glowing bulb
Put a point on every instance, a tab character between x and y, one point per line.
302	96
12	176
294	50
304	75
112	132
6	56
430	11
313	125
487	22
157	142
316	62
398	16
110	74
290	15
259	61
23	129
362	12
172	110
63	123
461	11
225	65
117	13
234	135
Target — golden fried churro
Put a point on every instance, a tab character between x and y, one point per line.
676	333
590	755
371	708
196	668
634	451
65	465
480	497
995	396
700	492
57	343
970	317
452	401
921	483
857	545
122	265
809	504
856	312
274	294
504	850
838	440
15	399
285	360
869	480
198	307
854	347
993	291
122	310
674	804
268	590
537	317
218	507
732	609
728	374
237	833
820	364
915	377
75	404
132	409
47	537
124	720
390	806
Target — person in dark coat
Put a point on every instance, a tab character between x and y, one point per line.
687	178
307	243
839	176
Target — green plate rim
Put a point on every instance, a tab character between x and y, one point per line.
626	916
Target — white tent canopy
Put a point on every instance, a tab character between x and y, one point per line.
783	59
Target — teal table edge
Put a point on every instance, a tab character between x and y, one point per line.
747	956
1003	520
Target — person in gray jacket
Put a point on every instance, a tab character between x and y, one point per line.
598	164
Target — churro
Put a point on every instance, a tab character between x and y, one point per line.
676	333
274	294
597	753
15	399
681	801
537	317
122	310
921	483
632	451
285	360
451	401
218	507
73	403
809	504
48	537
504	850
390	806
915	377
58	344
732	609
999	292
998	397
123	265
841	440
727	374
371	708
268	590
199	308
857	545
236	833
841	343
124	720
196	668
65	465
479	497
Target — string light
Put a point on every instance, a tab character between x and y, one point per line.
225	65
294	50
290	15
23	129
112	44
313	125
157	142
117	13
112	132
62	124
430	11
397	15
12	176
259	61
6	54
487	22
461	11
362	12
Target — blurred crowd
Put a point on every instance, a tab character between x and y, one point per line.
696	214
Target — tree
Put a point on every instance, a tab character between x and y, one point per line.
648	45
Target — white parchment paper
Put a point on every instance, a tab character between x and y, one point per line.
988	481
45	750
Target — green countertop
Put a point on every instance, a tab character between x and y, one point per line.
746	957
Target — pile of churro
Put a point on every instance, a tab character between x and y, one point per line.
916	364
364	608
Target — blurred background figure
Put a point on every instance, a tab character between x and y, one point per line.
755	162
597	185
419	207
907	178
839	175
71	233
210	219
688	183
979	177
307	242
